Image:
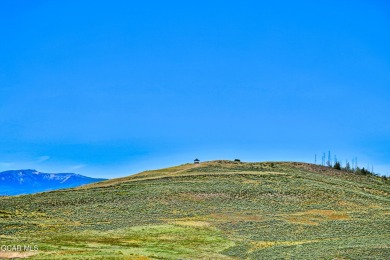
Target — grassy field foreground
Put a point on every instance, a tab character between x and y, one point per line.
215	210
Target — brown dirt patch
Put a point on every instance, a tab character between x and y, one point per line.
8	255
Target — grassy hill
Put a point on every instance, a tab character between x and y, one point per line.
215	210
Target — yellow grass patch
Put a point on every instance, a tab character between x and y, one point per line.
191	223
330	214
303	220
139	258
315	216
265	244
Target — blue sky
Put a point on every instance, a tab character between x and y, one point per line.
108	89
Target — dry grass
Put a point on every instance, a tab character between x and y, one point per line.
315	216
265	244
202	196
191	223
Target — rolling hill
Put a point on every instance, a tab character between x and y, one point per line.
17	182
214	210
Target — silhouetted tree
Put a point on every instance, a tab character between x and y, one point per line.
337	165
362	171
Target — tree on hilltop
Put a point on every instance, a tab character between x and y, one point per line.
337	165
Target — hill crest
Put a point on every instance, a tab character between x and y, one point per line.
219	167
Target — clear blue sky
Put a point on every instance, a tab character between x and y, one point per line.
110	88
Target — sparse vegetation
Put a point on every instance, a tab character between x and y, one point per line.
337	165
214	210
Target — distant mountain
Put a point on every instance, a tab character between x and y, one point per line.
29	181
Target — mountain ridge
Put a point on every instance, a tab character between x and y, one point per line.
26	181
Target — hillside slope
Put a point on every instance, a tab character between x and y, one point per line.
215	210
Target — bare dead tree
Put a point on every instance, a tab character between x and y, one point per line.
329	163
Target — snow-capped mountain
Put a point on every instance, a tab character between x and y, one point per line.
31	181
